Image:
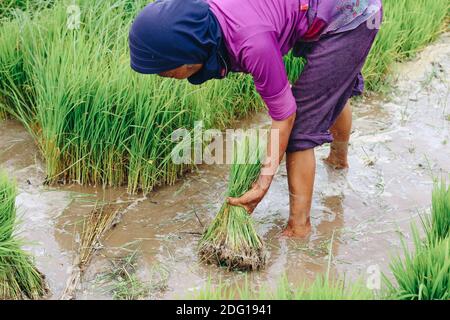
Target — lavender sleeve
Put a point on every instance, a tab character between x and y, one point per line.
262	58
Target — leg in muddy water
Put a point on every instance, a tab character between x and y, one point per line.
301	169
341	131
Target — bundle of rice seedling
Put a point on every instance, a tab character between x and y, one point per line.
19	278
231	240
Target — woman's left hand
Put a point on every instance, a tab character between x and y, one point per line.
253	197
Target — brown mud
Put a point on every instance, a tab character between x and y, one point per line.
399	143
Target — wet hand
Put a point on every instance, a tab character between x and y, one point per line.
250	200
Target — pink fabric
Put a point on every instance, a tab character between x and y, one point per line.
258	33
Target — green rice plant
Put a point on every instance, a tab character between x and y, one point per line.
325	289
231	240
7	6
19	278
294	66
424	274
437	226
322	288
13	83
3	109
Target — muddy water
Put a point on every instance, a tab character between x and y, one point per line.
398	144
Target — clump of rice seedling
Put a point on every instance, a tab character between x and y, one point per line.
424	274
231	240
19	278
328	289
130	288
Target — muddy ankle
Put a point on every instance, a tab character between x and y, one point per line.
297	229
335	162
337	158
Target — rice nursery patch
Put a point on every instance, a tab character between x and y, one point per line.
231	239
94	119
19	278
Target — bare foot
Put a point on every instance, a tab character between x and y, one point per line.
337	158
295	230
335	163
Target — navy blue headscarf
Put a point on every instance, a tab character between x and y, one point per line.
170	33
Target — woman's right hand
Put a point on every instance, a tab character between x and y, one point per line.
250	200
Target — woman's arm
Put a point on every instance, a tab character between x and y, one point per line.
275	153
261	57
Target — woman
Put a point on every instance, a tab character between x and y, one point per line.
200	40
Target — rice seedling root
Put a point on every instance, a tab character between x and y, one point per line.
241	250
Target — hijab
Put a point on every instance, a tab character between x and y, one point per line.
167	34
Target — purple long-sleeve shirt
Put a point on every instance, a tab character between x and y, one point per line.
258	33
